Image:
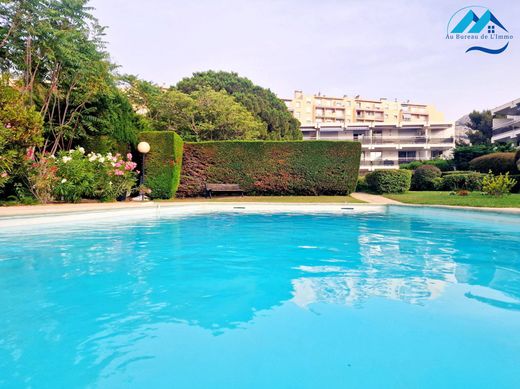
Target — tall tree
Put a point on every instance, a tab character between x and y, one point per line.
55	50
206	115
261	102
480	127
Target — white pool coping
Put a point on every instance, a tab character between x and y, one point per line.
154	210
67	214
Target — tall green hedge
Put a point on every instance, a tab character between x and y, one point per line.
272	167
163	162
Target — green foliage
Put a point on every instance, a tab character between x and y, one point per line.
163	163
54	48
462	155
389	181
442	164
261	102
362	185
424	177
20	128
206	115
481	127
497	185
467	181
272	167
72	176
496	163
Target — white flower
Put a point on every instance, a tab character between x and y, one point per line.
113	163
66	159
64	181
52	156
71	151
92	157
81	150
101	159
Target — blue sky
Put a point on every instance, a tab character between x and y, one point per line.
393	49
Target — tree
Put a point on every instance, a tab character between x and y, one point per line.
54	49
463	154
261	102
20	130
206	115
480	127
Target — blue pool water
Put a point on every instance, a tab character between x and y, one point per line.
408	299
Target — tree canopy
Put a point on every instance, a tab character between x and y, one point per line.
261	102
480	127
54	52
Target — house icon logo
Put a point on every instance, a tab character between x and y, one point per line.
478	24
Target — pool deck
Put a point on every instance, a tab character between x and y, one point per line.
373	200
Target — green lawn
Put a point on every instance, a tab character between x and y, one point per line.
474	199
276	199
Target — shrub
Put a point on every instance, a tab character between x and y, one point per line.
437	183
389	181
361	185
163	163
104	177
272	167
497	163
467	181
497	185
423	177
462	155
516	188
442	164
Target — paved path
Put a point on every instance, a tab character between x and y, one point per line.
373	199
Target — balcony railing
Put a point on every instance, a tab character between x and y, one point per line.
418	140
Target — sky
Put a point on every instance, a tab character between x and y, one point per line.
393	49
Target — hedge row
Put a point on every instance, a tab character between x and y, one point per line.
389	181
163	163
497	163
271	167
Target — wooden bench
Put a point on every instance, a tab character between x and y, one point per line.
222	188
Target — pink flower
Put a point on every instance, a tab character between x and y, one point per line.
30	153
118	164
3	175
130	165
118	172
129	156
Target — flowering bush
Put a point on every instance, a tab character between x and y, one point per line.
114	176
497	185
72	175
40	175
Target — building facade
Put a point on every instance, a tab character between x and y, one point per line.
506	123
390	132
313	110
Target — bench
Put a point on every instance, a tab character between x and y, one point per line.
222	188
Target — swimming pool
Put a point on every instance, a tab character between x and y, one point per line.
404	297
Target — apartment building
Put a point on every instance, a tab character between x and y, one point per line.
390	132
506	123
319	109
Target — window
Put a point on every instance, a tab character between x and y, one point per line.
298	104
376	155
436	153
407	155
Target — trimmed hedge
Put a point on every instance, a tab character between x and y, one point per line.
272	167
424	177
496	162
389	181
467	181
163	163
442	164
